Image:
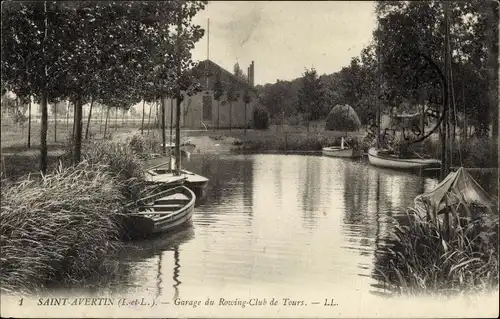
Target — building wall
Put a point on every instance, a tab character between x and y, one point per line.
221	112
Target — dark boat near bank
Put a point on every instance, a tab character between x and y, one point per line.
159	213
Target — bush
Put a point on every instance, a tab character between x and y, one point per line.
260	118
473	152
342	118
58	229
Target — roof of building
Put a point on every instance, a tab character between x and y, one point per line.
213	69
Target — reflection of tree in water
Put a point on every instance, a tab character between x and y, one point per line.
278	189
357	218
230	177
308	185
355	195
247	167
177	269
382	271
159	277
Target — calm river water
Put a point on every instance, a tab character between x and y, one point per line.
298	222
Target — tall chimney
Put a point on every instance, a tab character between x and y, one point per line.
252	72
248	75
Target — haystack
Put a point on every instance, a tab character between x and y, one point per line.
342	118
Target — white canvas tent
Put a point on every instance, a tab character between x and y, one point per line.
457	189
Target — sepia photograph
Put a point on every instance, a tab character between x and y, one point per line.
249	159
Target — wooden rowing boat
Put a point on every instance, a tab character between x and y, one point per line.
159	213
345	151
156	174
383	158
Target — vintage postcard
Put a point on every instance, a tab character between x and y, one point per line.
232	159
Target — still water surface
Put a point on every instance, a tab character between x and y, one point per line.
299	222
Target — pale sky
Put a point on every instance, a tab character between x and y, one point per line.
285	37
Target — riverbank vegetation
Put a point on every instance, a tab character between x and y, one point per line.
409	37
63	227
422	258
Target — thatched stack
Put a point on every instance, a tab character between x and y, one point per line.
342	118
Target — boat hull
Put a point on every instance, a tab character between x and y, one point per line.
335	151
387	161
190	179
140	226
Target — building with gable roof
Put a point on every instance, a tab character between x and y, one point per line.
202	111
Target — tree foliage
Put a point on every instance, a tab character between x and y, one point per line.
239	72
311	96
408	71
115	53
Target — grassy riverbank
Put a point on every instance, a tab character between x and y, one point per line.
423	259
61	228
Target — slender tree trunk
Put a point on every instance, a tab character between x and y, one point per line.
101	111
43	134
74	121
157	119
89	118
149	117
142	122
29	124
67	116
108	109
213	124
116	119
230	116
246	118
43	104
55	122
163	128
171	118
78	131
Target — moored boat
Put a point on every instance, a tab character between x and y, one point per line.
159	213
169	175
384	158
341	151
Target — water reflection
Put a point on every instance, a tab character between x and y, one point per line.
159	276
177	268
294	221
309	181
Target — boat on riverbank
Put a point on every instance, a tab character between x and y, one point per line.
159	213
384	158
341	151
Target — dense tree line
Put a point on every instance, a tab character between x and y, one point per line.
407	71
112	53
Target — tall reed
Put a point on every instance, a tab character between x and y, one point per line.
59	228
123	164
421	257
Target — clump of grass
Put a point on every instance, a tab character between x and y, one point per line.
423	258
122	163
144	145
58	229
